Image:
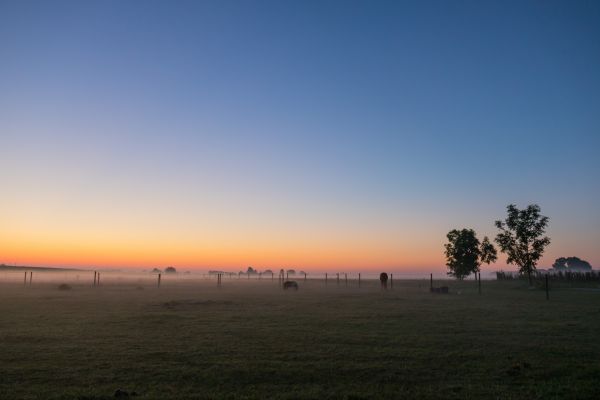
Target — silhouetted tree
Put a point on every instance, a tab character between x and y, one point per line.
462	252
251	271
521	237
571	264
488	253
291	271
170	270
156	271
267	271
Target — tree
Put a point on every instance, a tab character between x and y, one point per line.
488	251
464	253
170	270
571	264
522	237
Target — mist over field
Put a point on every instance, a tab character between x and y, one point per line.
267	199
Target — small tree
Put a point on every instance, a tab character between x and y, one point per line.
521	237
464	253
170	270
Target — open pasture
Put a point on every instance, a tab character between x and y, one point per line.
250	339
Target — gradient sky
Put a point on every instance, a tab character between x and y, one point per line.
309	134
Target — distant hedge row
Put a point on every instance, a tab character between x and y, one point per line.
560	276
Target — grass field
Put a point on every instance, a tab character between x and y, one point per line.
191	340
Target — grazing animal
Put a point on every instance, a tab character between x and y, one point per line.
290	285
383	277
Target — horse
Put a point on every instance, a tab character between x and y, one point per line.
383	277
290	285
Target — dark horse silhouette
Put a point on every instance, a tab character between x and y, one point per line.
383	278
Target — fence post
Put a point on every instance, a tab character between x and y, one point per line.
391	281
346	278
30	277
272	276
338	278
158	285
547	289
359	279
325	278
25	279
305	277
431	282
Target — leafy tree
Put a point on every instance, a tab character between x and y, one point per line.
170	270
571	264
464	253
522	237
291	271
251	271
488	253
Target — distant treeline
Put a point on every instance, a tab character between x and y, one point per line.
553	276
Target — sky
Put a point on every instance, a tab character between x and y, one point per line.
320	135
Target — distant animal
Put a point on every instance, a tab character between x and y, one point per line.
290	285
383	277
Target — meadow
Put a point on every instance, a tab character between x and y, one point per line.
248	339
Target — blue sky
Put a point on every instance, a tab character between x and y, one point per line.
395	121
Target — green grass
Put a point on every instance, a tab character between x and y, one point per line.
190	340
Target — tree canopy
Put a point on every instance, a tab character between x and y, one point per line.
571	264
522	237
465	254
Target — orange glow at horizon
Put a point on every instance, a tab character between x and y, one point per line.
307	256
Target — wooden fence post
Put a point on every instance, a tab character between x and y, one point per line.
158	284
325	278
338	278
30	277
431	282
25	279
391	281
359	279
346	278
305	277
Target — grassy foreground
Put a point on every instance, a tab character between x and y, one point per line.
191	340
